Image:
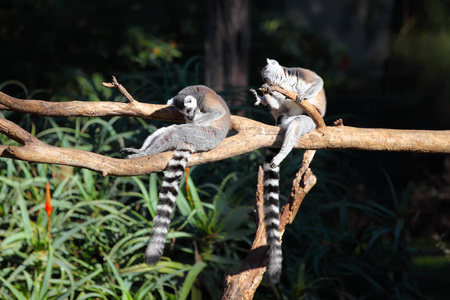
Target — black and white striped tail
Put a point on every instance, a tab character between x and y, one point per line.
166	203
272	217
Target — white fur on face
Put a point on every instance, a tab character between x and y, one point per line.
190	102
273	72
190	106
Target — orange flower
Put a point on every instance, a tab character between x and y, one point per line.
48	206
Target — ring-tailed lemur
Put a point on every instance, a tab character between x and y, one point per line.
289	116
208	121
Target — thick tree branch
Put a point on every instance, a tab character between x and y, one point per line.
90	109
244	283
251	135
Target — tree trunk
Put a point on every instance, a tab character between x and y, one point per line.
227	44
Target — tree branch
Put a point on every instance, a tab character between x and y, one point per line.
117	85
251	135
305	105
244	283
90	109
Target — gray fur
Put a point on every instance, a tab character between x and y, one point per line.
207	123
207	127
308	85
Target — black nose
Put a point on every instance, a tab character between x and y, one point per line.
190	114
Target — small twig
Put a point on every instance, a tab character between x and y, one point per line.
117	85
305	105
338	122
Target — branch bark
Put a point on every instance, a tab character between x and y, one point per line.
251	135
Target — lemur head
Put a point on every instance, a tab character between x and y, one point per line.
273	73
191	100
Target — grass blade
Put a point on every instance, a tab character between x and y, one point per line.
190	278
47	275
13	290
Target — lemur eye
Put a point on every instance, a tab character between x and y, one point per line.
189	99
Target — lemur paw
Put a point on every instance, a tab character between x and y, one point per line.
300	98
259	99
265	86
274	164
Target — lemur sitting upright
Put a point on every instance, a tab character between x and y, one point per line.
208	121
289	116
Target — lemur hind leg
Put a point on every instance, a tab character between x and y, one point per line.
158	141
298	126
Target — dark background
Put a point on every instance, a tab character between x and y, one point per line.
385	64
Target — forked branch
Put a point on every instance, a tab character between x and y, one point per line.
244	283
251	135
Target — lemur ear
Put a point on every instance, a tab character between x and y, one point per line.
202	94
271	61
170	101
203	90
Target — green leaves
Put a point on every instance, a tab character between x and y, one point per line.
145	49
100	226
